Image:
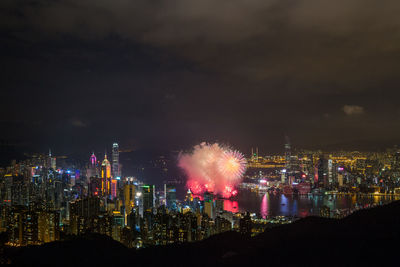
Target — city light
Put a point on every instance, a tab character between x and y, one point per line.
219	181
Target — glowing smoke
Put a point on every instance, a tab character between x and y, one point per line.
214	168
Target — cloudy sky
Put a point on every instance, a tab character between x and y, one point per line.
158	74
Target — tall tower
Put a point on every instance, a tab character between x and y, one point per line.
288	155
51	161
170	196
115	161
106	176
322	172
148	192
93	161
48	163
92	170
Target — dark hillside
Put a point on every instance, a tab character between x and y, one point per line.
364	238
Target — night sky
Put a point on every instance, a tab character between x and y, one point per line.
164	75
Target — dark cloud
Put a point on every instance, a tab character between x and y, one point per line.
307	40
353	110
238	71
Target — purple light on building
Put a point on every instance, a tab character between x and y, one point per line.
93	160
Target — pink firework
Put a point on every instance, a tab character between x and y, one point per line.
213	168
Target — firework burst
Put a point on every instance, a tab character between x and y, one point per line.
213	168
232	164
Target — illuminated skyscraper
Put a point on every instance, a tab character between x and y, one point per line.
115	162
113	188
51	161
129	199
322	172
92	170
48	163
170	196
209	209
288	154
93	161
106	176
209	204
148	192
330	171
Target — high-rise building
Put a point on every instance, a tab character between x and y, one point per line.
87	207
209	209
93	161
209	204
288	154
330	171
170	196
148	193
323	172
51	161
117	225
129	198
48	226
48	162
115	162
106	176
95	186
245	225
219	205
92	168
208	196
113	188
288	159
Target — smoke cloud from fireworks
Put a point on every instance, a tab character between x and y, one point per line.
213	168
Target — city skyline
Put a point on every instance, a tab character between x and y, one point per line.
199	132
46	198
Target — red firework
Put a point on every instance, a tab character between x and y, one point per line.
213	168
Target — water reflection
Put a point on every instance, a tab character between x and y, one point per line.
301	206
284	210
264	206
232	206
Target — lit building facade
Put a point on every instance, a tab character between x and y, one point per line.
106	176
116	173
148	193
170	196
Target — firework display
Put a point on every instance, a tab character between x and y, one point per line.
213	168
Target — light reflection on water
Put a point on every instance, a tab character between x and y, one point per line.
301	206
264	206
230	205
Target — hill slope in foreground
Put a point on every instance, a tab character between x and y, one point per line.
363	238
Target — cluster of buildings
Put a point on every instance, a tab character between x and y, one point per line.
44	199
317	172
